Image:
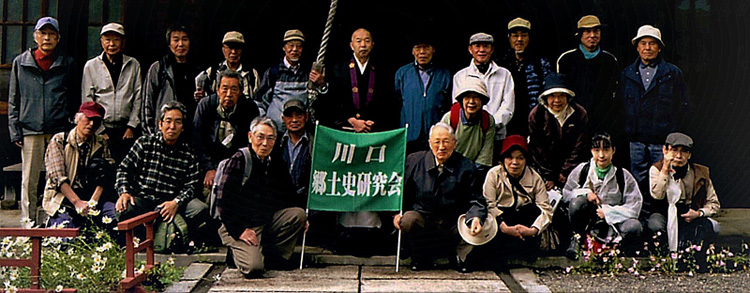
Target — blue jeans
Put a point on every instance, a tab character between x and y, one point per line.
642	156
69	218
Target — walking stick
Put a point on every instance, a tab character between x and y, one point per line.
318	65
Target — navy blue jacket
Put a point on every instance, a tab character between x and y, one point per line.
299	169
445	195
651	114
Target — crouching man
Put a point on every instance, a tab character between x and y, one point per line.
439	186
80	173
598	191
684	196
161	173
257	211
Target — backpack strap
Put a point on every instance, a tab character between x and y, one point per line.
583	174
455	112
248	164
485	120
619	176
456	116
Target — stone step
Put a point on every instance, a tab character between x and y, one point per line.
349	278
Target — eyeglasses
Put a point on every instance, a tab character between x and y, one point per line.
260	137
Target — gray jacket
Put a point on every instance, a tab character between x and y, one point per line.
41	102
618	205
123	104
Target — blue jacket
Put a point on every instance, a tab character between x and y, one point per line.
41	102
422	108
651	114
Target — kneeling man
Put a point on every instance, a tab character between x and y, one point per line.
259	219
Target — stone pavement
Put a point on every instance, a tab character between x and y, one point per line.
351	278
333	273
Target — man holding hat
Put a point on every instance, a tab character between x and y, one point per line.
655	98
474	127
558	137
439	186
517	198
288	79
498	80
220	123
593	74
171	78
684	196
424	92
80	173
528	70
231	46
43	95
113	80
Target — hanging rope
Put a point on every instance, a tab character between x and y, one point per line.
318	65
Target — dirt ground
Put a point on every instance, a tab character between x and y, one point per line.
558	281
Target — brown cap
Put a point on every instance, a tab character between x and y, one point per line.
589	21
91	110
233	37
294	35
519	23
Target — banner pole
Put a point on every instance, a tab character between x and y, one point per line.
400	214
304	238
398	246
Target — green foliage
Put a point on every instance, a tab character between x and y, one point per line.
91	262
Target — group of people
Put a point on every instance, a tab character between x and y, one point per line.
230	150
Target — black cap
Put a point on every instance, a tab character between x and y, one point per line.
293	104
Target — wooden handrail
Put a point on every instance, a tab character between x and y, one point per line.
21	232
131	223
131	278
35	262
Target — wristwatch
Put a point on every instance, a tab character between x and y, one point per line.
177	200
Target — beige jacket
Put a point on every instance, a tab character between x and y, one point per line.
697	177
498	193
68	151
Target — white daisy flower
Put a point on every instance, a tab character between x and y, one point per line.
92	203
59	288
93	212
106	220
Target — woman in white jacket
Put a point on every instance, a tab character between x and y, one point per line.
599	190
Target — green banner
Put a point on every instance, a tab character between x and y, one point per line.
357	171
